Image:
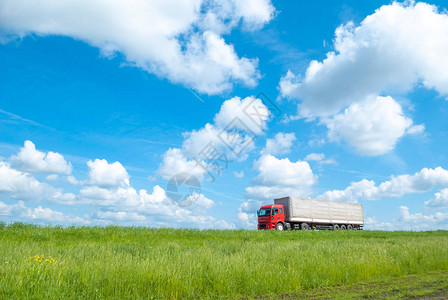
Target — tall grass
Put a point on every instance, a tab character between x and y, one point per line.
133	263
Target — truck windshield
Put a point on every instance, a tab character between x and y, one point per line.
264	212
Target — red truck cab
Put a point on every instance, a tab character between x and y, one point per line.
271	217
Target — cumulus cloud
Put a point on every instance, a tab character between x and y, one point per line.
108	194
279	178
63	198
239	174
440	200
39	215
109	187
280	144
31	160
20	184
406	220
103	174
247	213
250	111
406	216
372	127
111	196
52	177
416	129
320	158
371	223
210	149
392	50
315	157
174	162
72	180
5	209
15	184
120	217
178	40
422	181
247	220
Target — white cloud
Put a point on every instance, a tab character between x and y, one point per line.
15	184
251	111
63	198
280	144
202	201
406	220
31	160
440	200
320	158
18	183
210	149
40	215
223	15
416	129
5	209
372	127
174	162
316	142
281	177
406	216
179	40
52	177
370	223
392	50
120	202
103	174
315	157
247	220
247	213
72	180
120	216
108	187
422	181
110	197
239	174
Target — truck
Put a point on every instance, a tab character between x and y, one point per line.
293	213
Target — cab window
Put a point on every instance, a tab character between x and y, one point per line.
281	210
264	212
275	211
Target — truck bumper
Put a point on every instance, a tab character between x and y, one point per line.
264	226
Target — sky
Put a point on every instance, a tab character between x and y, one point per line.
194	113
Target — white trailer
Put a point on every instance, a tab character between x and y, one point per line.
320	214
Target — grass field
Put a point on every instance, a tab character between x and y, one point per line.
143	263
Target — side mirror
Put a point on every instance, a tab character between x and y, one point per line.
258	213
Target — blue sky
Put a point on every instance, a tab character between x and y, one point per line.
103	103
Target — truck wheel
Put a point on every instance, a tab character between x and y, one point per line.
349	227
335	227
304	226
280	227
343	227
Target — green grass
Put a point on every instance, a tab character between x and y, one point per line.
142	263
427	286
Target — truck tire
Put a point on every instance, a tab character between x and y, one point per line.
304	226
343	227
280	227
335	227
349	227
